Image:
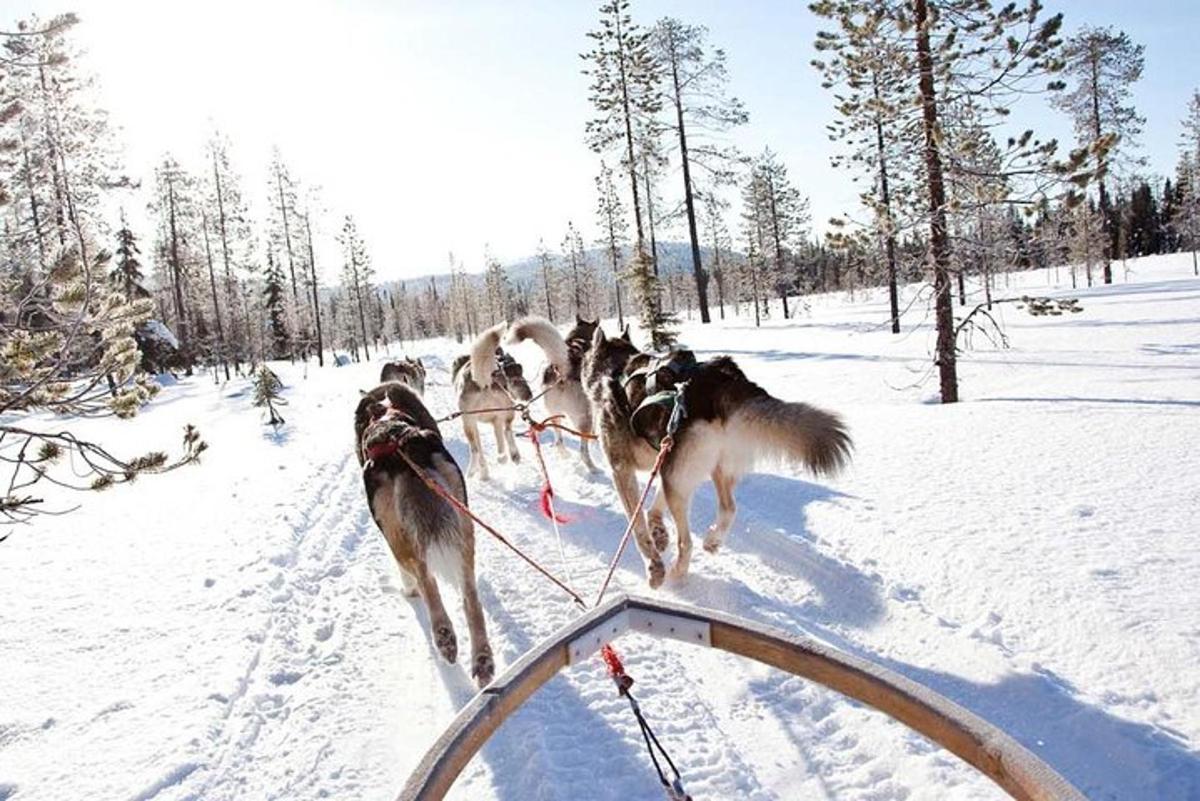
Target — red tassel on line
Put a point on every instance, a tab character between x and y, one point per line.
550	514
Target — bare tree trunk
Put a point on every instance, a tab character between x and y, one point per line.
176	269
212	280
1104	204
946	357
230	284
316	304
886	199
688	199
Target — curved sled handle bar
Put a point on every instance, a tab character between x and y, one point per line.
986	748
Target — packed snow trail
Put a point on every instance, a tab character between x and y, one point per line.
236	630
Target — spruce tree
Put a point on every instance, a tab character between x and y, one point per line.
128	269
1104	65
276	307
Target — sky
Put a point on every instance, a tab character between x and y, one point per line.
456	126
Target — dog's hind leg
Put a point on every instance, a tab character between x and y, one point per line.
408	584
478	464
483	665
658	528
680	503
501	440
726	509
585	454
625	480
513	453
443	630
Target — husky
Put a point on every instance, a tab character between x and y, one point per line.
427	535
407	371
488	378
561	379
731	426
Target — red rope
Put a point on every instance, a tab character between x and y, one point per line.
441	491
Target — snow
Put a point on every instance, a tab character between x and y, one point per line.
236	629
155	330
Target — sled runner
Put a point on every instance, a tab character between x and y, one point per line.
986	748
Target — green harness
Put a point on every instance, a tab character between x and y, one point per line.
663	410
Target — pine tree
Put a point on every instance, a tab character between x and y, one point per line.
968	49
268	392
611	217
226	209
697	78
781	218
1188	216
313	282
546	266
356	275
624	92
871	70
718	237
1104	65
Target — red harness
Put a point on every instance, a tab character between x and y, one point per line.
392	445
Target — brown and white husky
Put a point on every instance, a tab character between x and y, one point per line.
488	378
732	426
561	379
427	536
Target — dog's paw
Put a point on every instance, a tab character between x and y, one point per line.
515	456
679	570
447	644
502	458
712	543
483	668
658	533
655	573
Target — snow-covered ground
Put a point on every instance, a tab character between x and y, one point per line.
236	629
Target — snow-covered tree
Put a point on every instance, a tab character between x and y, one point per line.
356	276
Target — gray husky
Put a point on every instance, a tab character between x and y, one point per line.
732	425
406	371
561	379
488	378
426	534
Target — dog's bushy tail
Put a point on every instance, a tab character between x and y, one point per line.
776	430
483	355
543	332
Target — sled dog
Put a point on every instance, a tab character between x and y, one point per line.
427	536
731	426
406	371
561	379
488	378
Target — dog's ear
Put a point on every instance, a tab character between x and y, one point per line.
579	320
625	334
598	337
419	364
362	392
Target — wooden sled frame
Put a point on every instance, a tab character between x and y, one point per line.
985	747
